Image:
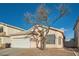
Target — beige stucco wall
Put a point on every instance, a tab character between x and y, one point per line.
19	36
51	46
56	45
6	40
57	34
33	44
10	30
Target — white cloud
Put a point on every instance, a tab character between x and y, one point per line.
64	29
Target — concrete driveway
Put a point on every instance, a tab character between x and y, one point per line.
9	51
36	52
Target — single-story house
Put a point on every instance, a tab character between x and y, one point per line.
16	37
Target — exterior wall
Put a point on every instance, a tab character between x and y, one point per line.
5	29
76	35
6	40
57	34
51	46
0	41
76	38
56	45
33	44
8	30
19	36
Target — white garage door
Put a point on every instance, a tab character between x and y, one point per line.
20	43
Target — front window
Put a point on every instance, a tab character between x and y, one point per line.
1	29
51	39
59	40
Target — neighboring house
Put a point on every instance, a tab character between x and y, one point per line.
19	38
5	32
76	33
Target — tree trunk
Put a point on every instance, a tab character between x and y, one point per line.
43	43
37	43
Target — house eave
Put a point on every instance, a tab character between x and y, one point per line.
12	26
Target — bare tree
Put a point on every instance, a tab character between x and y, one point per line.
42	18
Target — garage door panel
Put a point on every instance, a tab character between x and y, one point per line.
20	43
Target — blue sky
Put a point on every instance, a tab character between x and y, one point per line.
14	14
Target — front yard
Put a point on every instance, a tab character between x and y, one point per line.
36	52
